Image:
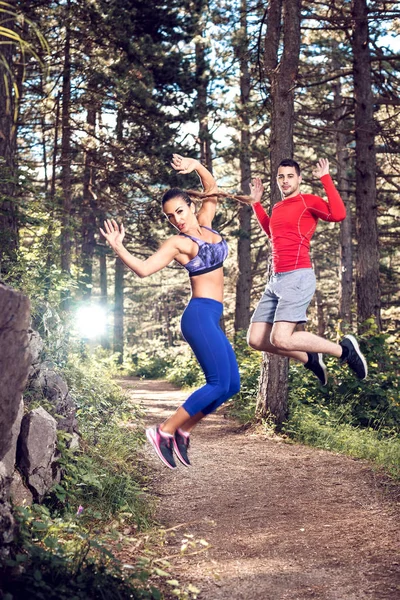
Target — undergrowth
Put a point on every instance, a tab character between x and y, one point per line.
63	546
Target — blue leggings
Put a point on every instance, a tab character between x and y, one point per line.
200	328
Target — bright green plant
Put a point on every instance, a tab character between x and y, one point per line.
59	559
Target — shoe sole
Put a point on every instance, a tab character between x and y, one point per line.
323	367
359	353
153	442
179	455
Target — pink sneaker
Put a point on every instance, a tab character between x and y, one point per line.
181	446
163	444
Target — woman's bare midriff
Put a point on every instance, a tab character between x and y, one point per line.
209	285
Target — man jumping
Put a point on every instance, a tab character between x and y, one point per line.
292	285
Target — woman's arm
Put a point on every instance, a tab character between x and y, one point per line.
187	165
256	192
114	234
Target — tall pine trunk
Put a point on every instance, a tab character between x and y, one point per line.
281	74
118	338
342	177
202	84
118	344
89	206
8	158
367	276
105	341
243	283
66	159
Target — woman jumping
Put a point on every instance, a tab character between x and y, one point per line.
201	251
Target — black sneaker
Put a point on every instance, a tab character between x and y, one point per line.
317	366
181	446
354	357
163	445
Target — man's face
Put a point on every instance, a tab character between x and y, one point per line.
288	181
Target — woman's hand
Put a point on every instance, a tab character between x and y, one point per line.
113	233
184	165
256	190
322	168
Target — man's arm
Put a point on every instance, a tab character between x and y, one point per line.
334	210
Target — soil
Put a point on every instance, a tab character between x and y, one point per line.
282	521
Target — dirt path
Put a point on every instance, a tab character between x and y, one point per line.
283	521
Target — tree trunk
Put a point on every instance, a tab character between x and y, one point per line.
118	341
8	123
51	205
367	277
66	160
88	207
342	177
118	345
105	341
281	74
243	283
319	304
202	83
273	378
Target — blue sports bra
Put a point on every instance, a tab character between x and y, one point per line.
209	257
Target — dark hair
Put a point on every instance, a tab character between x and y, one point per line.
289	162
176	193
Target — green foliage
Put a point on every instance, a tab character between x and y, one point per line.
244	403
57	559
322	428
104	473
373	403
184	369
151	363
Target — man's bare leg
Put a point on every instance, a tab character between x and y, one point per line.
259	338
286	339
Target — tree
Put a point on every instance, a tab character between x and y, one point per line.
281	74
367	276
243	283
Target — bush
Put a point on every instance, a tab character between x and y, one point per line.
59	559
104	473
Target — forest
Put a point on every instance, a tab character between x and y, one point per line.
95	97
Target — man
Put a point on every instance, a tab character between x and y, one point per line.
292	285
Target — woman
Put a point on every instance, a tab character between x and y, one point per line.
201	251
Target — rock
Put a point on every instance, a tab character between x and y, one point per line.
35	349
20	495
7	523
9	458
75	442
14	359
53	387
14	367
37	450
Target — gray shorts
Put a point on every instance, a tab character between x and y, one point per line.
286	297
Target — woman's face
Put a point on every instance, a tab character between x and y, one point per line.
179	213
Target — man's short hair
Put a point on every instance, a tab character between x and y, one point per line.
289	162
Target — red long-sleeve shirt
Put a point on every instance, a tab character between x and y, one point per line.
293	222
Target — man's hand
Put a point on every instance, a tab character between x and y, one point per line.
256	189
184	165
113	233
322	168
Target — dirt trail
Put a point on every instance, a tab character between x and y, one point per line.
284	521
